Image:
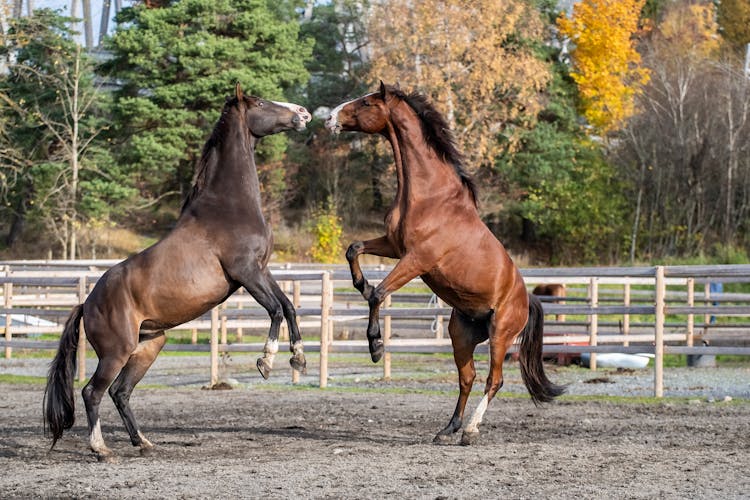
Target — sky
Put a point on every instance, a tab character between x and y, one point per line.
96	11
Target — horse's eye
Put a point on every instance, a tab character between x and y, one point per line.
260	104
366	102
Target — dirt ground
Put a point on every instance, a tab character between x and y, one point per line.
285	442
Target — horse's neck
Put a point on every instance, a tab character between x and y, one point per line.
422	174
235	177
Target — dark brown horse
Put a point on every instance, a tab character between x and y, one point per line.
220	243
434	228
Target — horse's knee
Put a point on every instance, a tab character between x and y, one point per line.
377	296
354	250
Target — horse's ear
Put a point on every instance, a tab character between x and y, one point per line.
397	86
383	90
238	91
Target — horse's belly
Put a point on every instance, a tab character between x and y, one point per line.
472	303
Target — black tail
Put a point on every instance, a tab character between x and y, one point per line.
532	367
59	401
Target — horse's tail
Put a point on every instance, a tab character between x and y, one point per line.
530	356
59	401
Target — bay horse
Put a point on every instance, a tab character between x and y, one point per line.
433	228
220	242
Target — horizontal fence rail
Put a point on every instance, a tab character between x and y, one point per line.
652	310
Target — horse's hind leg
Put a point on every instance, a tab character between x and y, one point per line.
132	373
109	366
295	339
505	326
463	354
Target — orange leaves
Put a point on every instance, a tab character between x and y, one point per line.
473	58
605	62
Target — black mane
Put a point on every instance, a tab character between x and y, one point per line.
438	135
204	168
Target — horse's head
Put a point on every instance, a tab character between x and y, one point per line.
264	117
368	114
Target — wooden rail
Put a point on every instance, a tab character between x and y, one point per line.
665	296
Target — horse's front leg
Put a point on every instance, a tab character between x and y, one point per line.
378	246
297	360
405	271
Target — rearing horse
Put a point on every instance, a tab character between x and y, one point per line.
434	228
220	242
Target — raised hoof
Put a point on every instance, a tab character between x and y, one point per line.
376	350
443	439
469	438
263	368
299	363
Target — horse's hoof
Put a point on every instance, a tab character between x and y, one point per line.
443	439
376	351
107	458
469	438
263	368
147	451
299	363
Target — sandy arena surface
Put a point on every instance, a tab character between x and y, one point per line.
366	438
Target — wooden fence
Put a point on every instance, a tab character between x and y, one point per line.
654	310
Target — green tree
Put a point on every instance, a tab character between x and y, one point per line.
56	172
565	197
175	64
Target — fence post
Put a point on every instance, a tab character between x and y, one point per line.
223	323
439	320
214	346
8	299
81	333
626	316
660	285
387	340
706	301
593	319
240	333
326	299
691	316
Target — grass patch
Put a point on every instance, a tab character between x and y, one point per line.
22	379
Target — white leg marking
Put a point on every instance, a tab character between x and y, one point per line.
297	348
96	440
145	442
270	350
476	417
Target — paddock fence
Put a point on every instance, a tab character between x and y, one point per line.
653	310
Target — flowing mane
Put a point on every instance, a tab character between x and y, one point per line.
207	163
438	135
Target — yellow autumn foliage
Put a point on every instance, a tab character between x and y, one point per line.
605	61
471	57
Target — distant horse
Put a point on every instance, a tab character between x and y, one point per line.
549	291
220	242
434	228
